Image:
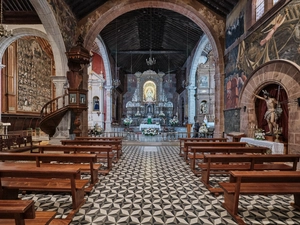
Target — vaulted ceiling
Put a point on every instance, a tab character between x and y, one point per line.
167	36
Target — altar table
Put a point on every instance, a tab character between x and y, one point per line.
153	126
276	147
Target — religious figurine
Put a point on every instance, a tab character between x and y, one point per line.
149	95
272	114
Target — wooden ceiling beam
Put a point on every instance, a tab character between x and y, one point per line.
21	18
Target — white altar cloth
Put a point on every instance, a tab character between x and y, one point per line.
276	147
153	126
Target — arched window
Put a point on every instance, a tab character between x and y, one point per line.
259	9
96	103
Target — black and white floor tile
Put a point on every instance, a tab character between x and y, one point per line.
153	185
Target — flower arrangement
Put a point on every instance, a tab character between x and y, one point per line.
174	121
203	128
97	130
149	132
161	114
138	114
259	134
127	121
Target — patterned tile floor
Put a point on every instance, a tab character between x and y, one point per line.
152	185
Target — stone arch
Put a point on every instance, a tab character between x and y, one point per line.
282	72
199	14
192	75
54	36
196	12
18	33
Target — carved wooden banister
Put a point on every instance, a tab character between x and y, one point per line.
52	113
53	105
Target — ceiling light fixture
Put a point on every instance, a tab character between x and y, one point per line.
3	31
116	82
151	61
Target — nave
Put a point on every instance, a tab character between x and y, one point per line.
153	185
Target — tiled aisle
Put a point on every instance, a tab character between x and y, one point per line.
152	185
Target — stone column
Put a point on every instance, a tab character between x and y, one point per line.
62	130
219	105
101	100
161	75
191	107
108	95
138	86
60	83
1	67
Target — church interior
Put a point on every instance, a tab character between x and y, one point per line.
177	112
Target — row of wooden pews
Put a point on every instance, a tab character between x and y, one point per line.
22	212
16	143
251	170
58	171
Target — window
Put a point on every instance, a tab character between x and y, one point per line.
259	8
262	10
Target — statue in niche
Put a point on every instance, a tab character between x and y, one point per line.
149	95
203	107
273	111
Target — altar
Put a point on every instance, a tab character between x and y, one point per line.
152	126
275	147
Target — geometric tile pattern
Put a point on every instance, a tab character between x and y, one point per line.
153	185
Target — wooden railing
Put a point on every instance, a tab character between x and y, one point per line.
53	105
138	136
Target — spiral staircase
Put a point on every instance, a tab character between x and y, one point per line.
52	114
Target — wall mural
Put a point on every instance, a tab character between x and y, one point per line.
34	71
278	38
66	21
234	80
234	29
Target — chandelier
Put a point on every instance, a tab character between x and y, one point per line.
3	31
151	61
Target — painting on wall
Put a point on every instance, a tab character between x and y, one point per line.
72	98
82	98
235	78
278	38
34	75
203	81
234	29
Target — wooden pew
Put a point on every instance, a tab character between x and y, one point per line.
24	176
16	143
103	152
188	145
115	144
21	212
259	182
78	159
182	140
198	152
223	163
120	139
